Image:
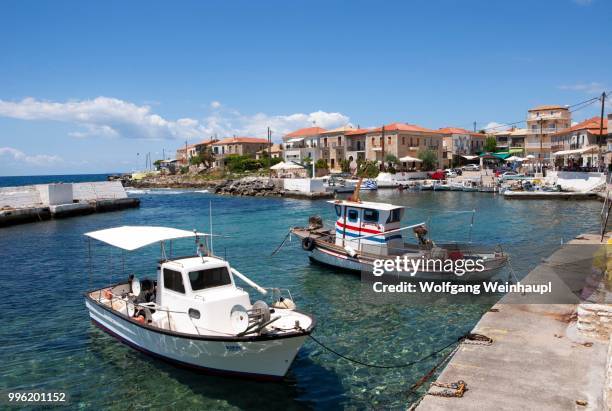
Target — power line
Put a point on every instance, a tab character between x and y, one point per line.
585	103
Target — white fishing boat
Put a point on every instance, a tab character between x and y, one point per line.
365	232
335	184
441	186
193	314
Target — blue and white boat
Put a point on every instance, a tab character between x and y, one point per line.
365	232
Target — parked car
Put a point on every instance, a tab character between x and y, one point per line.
471	167
450	173
458	171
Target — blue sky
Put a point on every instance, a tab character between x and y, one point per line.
85	86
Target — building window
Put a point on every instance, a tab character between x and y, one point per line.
339	140
373	141
352	216
370	215
403	141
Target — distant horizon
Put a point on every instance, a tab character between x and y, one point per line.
79	95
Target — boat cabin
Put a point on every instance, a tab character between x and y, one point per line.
364	226
200	286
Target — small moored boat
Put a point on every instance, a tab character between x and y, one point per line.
194	315
365	232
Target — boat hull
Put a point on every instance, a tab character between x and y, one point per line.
257	358
344	261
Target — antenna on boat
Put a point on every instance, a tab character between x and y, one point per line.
210	227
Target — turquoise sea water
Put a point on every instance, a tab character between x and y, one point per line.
48	342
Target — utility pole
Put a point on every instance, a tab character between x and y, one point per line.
474	126
269	154
540	155
186	162
601	121
383	148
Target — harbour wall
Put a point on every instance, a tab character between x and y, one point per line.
41	202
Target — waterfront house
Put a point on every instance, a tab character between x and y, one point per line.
334	146
459	142
355	146
581	145
404	140
511	141
302	144
542	122
276	151
184	154
241	146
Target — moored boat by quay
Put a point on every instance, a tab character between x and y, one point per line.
194	315
365	232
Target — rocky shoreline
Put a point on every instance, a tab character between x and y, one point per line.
248	186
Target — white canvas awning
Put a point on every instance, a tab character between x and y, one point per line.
295	140
286	166
133	237
408	159
469	157
584	150
515	159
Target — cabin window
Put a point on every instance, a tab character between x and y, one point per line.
394	216
212	277
338	210
352	216
370	215
173	280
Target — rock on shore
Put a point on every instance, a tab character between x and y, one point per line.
249	187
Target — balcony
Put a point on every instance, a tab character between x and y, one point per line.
544	145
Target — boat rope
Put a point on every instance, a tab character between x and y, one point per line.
466	337
288	236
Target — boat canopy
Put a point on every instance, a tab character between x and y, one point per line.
133	237
366	204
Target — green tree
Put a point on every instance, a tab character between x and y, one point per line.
345	166
207	157
367	169
195	160
429	159
157	164
490	144
321	164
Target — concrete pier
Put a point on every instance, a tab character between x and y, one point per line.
41	202
540	358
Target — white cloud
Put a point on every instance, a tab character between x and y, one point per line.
229	122
111	117
494	126
104	116
589	88
19	156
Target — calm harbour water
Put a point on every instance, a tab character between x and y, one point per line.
48	342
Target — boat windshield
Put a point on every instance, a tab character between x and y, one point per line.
212	277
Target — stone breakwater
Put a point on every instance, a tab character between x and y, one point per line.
173	181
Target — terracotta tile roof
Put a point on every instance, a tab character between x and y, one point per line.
237	140
343	129
357	131
403	127
308	131
591	125
547	107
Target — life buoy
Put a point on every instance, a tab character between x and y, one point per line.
140	319
308	244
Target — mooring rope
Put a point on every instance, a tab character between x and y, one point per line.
281	244
468	336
